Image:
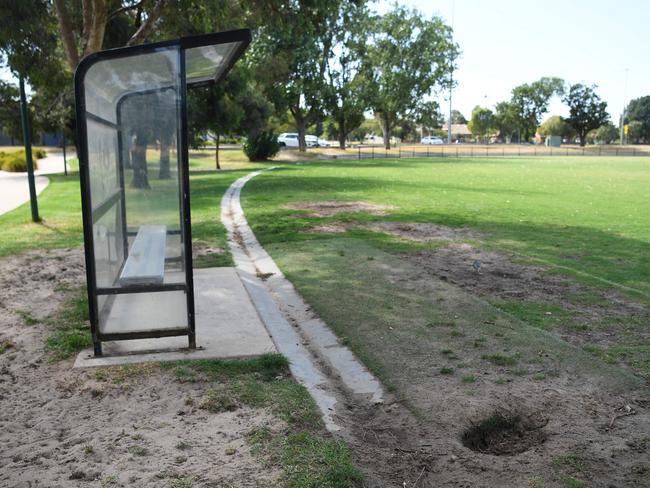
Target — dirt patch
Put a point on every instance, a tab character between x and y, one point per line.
412	231
334	207
63	427
487	273
200	250
422	232
32	283
504	433
332	228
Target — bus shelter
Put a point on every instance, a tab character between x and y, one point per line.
133	161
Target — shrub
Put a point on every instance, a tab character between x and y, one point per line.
261	147
15	161
38	153
16	164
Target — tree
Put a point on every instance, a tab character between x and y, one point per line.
409	57
80	39
429	116
531	102
635	132
556	126
10	110
291	58
506	120
638	110
481	122
215	108
457	117
347	94
606	134
586	110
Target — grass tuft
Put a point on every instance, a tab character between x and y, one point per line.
500	359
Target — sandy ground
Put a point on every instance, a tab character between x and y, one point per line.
64	428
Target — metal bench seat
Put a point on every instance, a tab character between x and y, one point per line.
145	264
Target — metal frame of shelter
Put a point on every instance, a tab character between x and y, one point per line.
101	155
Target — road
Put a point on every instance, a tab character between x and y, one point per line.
14	189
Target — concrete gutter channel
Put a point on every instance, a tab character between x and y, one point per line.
329	370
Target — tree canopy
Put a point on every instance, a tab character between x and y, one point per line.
530	102
586	110
638	111
409	58
556	126
482	122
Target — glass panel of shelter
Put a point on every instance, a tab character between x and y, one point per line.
134	165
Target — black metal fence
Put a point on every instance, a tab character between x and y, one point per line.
496	150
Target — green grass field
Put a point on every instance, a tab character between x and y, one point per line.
580	218
60	207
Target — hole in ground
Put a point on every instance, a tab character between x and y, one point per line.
504	434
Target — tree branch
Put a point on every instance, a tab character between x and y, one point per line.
97	28
67	36
146	28
126	8
87	16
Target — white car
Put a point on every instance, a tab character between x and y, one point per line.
288	139
313	141
431	140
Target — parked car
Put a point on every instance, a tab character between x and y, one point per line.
431	140
288	139
313	141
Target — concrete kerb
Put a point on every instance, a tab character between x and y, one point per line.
297	333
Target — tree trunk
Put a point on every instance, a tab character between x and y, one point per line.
164	173
342	134
139	162
216	150
147	26
386	128
127	142
583	139
67	35
302	129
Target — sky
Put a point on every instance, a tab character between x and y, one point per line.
505	43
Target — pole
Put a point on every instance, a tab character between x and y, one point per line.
65	161
28	150
623	113
451	73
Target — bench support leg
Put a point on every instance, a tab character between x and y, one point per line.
192	340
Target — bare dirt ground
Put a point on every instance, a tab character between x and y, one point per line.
64	428
329	208
573	429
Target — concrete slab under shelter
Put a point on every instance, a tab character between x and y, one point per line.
227	327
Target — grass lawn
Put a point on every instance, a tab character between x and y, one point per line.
581	219
60	208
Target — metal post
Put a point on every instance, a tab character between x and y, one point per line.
28	150
359	147
65	161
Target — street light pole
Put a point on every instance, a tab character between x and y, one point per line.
451	74
623	112
24	117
